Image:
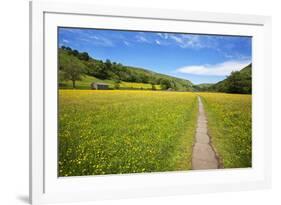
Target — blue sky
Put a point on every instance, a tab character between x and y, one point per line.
198	58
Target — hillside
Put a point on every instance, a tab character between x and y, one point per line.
202	86
79	70
127	77
237	82
86	81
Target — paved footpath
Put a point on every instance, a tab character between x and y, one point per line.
203	155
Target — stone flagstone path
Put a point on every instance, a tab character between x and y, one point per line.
203	155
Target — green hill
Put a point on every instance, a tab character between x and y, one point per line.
202	86
86	81
78	69
237	82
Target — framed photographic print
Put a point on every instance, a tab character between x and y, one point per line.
129	102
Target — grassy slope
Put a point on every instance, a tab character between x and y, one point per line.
138	86
180	83
85	83
229	124
204	85
108	132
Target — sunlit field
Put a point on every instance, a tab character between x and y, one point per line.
86	81
140	102
230	127
112	132
138	86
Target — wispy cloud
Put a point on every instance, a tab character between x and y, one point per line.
168	39
141	38
65	41
89	36
187	40
163	35
220	44
158	42
221	69
126	43
100	40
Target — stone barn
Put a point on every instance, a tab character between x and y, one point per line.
100	86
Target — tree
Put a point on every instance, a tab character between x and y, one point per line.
108	64
236	82
165	84
116	85
67	48
75	52
232	83
84	56
173	85
153	87
71	68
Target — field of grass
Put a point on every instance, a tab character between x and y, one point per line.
86	81
138	86
111	132
230	127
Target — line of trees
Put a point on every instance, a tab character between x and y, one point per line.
80	55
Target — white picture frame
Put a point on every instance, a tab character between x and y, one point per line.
46	187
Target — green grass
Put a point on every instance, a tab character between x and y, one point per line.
145	86
112	132
230	127
85	84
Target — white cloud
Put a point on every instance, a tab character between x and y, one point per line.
126	43
94	37
65	41
97	40
176	38
221	69
142	39
183	40
163	35
193	41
